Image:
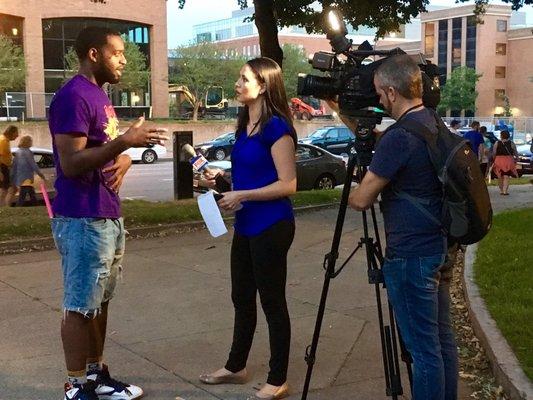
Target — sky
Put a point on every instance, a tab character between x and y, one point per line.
180	22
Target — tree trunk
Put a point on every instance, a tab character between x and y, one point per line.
267	26
195	111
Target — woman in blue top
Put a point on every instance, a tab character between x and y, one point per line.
264	175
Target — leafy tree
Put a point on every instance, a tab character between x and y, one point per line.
201	66
295	62
135	75
385	15
459	92
12	66
507	109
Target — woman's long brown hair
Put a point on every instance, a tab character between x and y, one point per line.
275	103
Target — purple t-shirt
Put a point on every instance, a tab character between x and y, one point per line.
82	108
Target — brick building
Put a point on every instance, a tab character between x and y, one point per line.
452	38
46	29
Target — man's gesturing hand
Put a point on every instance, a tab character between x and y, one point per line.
138	136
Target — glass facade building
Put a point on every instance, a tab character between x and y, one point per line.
59	36
238	26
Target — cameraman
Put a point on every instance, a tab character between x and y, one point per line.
416	247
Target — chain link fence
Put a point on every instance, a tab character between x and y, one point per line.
25	105
518	124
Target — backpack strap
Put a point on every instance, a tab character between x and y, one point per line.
418	129
429	138
419	203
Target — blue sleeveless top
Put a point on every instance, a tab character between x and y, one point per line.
252	168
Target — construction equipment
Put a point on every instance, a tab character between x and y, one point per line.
212	105
307	107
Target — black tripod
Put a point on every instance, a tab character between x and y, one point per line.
374	259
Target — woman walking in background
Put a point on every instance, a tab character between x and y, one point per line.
23	171
504	161
264	175
7	190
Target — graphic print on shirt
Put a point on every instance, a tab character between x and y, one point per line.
111	127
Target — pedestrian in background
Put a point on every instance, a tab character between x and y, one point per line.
504	161
7	190
264	175
23	171
454	126
484	151
474	137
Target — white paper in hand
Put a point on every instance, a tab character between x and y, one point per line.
211	214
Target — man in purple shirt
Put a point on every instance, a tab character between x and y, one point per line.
87	224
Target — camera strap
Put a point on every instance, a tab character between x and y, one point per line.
408	111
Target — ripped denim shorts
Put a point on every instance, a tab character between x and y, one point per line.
91	251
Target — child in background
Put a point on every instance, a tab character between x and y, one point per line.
485	151
23	170
7	190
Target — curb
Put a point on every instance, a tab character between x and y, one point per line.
47	243
505	366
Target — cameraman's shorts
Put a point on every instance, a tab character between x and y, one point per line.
91	258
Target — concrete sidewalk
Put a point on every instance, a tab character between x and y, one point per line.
172	318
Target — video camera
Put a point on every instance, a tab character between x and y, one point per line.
352	78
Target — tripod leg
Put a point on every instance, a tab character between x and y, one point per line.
391	363
329	263
406	358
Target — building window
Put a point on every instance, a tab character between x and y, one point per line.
501	49
499	97
500	72
429	40
223	34
203	37
471	27
244	30
443	50
456	42
501	25
11	27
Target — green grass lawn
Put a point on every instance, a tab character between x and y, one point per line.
524	180
503	271
26	222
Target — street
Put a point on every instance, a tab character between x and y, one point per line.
153	182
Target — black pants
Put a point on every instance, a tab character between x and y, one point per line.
26	191
259	263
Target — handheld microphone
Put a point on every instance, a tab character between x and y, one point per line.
199	163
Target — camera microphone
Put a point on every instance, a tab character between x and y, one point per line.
200	164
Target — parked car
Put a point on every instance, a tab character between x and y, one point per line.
316	168
148	155
45	161
218	148
335	139
525	158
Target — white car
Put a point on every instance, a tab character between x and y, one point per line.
148	155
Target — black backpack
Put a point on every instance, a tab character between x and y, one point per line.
467	212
